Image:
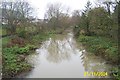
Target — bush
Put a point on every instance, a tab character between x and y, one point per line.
39	38
16	50
22	34
16	41
11	63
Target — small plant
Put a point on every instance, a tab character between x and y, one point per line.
12	62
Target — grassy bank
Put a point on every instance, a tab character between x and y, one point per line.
101	46
16	49
14	60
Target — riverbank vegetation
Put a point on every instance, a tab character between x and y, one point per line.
20	36
97	29
22	33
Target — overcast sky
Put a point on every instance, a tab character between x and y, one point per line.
40	5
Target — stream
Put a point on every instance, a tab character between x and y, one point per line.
63	57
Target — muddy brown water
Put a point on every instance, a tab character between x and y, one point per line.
62	57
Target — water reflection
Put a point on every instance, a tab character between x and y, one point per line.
60	58
58	50
94	63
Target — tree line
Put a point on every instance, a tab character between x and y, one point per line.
98	20
18	17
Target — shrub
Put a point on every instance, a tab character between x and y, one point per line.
19	50
16	41
22	34
12	62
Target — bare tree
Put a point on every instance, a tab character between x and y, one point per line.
55	14
14	13
76	17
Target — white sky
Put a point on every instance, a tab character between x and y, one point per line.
40	5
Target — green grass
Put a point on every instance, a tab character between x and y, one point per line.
101	46
2	31
28	29
18	30
5	40
13	63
